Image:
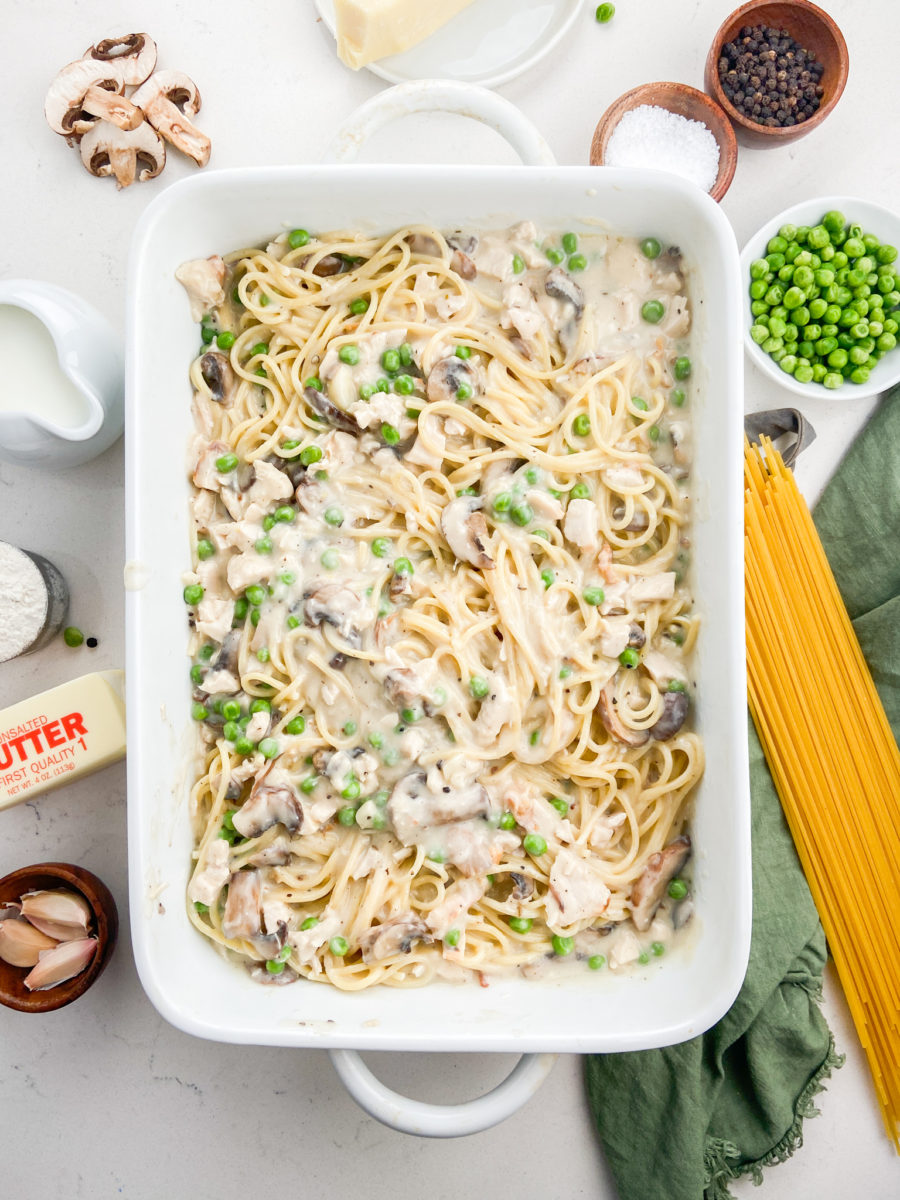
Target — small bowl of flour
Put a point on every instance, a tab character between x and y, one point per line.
34	600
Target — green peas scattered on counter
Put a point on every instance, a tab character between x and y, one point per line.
73	636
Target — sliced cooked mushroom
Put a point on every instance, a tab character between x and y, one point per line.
270	944
338	606
561	287
276	854
423	243
335	416
636	636
466	243
219	378
447	376
227	657
331	264
414	806
463	265
108	150
650	889
269	805
675	710
523	886
606	707
466	531
169	99
397	936
243	915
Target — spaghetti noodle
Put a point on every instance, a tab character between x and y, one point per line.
442	634
832	754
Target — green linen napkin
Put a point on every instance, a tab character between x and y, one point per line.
679	1123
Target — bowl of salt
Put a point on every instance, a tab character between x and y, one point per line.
670	127
62	401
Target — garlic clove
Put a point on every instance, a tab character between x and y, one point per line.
61	914
63	962
10	910
21	944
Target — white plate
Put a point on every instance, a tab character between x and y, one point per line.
487	43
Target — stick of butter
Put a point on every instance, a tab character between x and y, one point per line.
370	29
61	735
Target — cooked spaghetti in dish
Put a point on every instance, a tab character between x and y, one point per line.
440	607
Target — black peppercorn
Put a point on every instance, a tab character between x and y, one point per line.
769	77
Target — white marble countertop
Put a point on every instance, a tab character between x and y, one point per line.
104	1099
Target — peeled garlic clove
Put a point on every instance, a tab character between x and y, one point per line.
21	944
62	914
63	962
10	910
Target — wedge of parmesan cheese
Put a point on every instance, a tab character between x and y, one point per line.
371	29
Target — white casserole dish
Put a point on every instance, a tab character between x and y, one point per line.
195	989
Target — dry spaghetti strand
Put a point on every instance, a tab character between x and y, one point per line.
832	754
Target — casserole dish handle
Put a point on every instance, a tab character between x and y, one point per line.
440	95
441	1120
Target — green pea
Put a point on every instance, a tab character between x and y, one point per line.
580	491
577	262
650	247
833	380
192	594
314	382
597	961
518	264
73	636
534	844
389	435
329	559
561	805
405	385
547	576
657	949
333	516
338	946
521	924
263	654
677	397
593	596
759	269
359	306
653	311
310	455
402	566
834	221
464	391
349	354
451	937
562	945
297	238
521	513
478	687
507	821
226	463
351	790
678	889
390	360
581	426
243	746
269	748
629	657
502	502
555	256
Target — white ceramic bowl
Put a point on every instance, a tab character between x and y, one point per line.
873	219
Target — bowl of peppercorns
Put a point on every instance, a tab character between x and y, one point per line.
777	69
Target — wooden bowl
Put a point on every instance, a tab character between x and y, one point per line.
13	992
684	101
815	31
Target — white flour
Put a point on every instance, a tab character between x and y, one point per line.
23	601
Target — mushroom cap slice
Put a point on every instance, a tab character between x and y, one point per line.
606	708
166	98
108	150
466	531
63	103
112	107
662	867
133	56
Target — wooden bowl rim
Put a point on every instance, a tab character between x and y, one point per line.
777	133
106	919
634	97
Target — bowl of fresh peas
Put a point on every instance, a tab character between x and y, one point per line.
822	298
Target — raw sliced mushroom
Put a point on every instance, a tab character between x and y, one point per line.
133	56
675	710
606	708
107	67
397	936
168	100
466	531
127	154
219	378
118	110
650	889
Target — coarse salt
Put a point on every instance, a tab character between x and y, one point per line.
650	136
